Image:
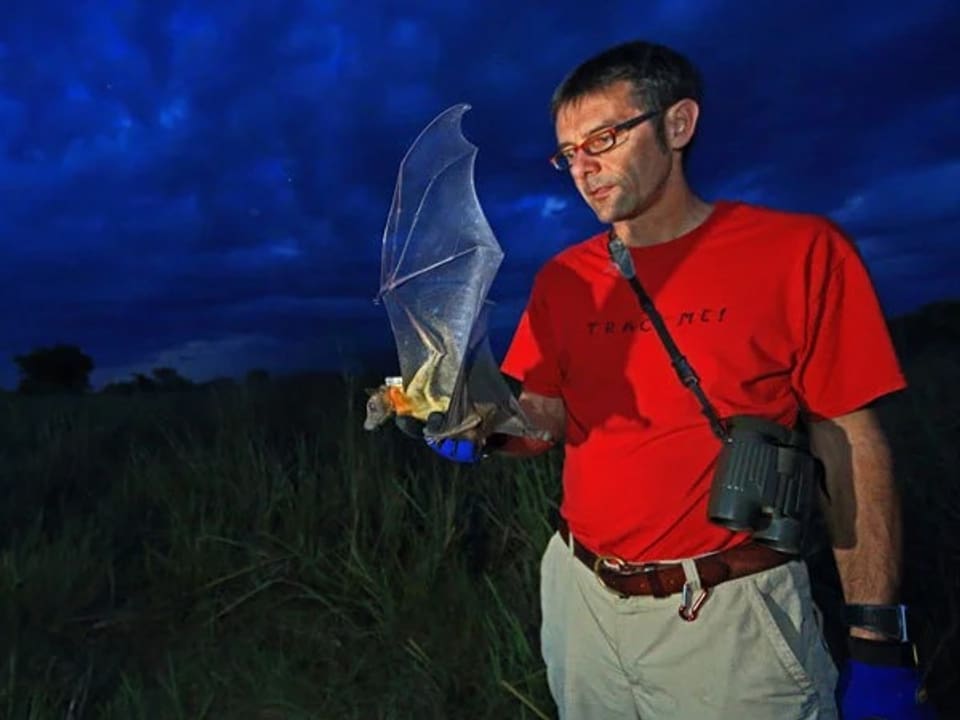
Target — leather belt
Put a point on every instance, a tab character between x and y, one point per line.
665	579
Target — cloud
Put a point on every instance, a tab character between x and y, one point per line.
200	359
335	347
911	198
203	172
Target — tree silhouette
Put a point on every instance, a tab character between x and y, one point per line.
58	369
168	378
144	383
118	388
257	378
162	379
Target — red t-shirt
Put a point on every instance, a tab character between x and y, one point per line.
776	313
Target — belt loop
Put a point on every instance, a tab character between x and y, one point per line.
690	605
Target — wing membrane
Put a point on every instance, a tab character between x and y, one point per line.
439	259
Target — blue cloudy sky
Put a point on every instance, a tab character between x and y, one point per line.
204	183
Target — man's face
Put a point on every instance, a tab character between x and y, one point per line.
627	179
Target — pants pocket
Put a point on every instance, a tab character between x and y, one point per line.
551	598
783	635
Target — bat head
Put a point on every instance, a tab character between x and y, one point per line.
379	408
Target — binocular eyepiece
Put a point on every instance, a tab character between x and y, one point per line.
764	483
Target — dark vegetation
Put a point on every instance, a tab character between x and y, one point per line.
242	549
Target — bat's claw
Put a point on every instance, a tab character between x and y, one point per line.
435	421
409	426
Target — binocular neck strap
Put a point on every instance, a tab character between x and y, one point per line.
621	258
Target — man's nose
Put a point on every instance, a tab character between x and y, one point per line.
582	164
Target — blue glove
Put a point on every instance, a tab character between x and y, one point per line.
457	450
460	451
873	688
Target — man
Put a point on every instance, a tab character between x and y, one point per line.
776	314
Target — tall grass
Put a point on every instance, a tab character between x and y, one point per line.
230	565
924	427
252	553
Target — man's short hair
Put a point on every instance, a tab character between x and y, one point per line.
659	76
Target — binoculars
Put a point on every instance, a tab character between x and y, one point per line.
764	483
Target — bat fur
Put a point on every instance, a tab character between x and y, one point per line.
389	400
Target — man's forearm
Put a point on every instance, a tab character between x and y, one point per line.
545	413
870	569
515	446
863	513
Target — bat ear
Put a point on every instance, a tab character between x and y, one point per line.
371	391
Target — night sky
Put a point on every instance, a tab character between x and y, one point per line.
204	184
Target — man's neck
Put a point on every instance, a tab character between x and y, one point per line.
675	213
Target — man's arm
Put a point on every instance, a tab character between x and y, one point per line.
546	413
863	513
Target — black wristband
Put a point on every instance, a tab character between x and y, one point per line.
888	620
881	652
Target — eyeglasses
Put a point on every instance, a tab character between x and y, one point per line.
597	143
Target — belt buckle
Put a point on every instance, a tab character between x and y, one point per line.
620	567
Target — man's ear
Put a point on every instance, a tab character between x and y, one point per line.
681	123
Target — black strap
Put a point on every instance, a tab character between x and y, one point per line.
621	258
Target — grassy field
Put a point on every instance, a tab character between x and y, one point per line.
250	552
254	554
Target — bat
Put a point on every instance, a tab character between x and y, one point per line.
439	259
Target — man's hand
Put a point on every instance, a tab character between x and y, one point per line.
880	682
457	450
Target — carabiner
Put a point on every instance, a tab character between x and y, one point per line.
689	610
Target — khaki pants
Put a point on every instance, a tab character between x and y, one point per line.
755	651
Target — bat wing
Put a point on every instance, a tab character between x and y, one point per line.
439	259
